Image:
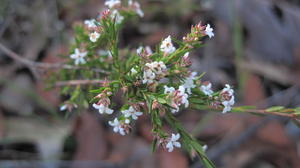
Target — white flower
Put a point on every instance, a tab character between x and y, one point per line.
149	76
175	110
189	82
157	67
90	23
169	90
173	142
105	53
167	46
63	107
131	112
148	50
139	50
206	89
78	56
180	98
228	103
204	148
117	16
94	36
186	55
209	31
184	96
228	89
137	7
133	71
112	3
103	109
117	126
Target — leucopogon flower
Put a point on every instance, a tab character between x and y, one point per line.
189	82
137	7
133	71
148	77
112	3
90	23
103	108
209	31
152	70
167	46
117	16
131	112
157	67
169	90
118	126
94	36
178	97
78	56
227	97
173	141
206	89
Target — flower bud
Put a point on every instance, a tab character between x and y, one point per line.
155	105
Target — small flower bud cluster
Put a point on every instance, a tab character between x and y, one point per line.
186	61
197	32
121	127
144	52
178	97
189	82
103	103
154	71
94	29
169	142
227	98
206	89
68	106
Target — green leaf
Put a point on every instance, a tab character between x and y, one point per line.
154	145
162	100
275	108
247	107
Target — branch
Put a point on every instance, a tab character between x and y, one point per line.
78	82
293	116
31	64
290	113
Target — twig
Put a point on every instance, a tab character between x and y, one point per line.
258	111
31	64
78	82
293	116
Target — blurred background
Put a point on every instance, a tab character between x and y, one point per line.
256	49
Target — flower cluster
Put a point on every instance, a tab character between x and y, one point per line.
206	89
131	112
94	27
189	82
167	46
121	127
178	97
173	141
154	71
227	98
154	83
197	32
102	104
